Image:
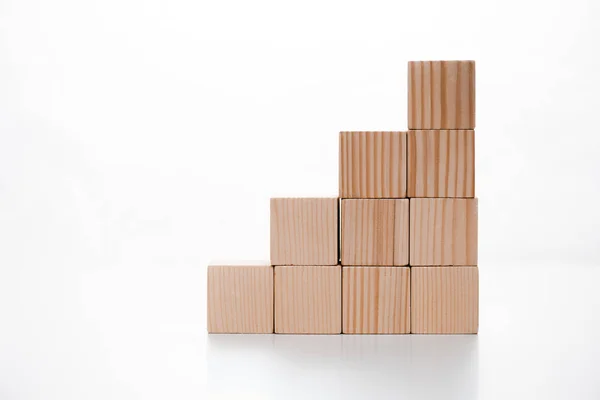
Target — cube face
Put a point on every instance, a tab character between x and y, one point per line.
441	163
375	232
240	299
376	300
308	299
443	232
444	300
304	231
372	165
441	95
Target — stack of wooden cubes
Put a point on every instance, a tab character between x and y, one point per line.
395	253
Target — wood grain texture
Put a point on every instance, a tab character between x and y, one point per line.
308	299
441	95
376	300
375	232
240	299
401	229
372	165
304	231
443	232
441	163
444	299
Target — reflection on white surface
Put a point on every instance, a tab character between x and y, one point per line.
539	330
140	333
344	366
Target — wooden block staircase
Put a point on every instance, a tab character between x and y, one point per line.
396	253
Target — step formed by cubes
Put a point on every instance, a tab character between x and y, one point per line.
443	232
376	300
308	299
375	232
441	95
444	300
240	297
372	165
304	231
396	252
441	163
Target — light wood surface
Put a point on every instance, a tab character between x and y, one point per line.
375	232
304	231
308	299
441	163
240	299
401	229
376	300
444	299
443	232
441	95
372	165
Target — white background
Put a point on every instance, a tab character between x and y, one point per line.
140	139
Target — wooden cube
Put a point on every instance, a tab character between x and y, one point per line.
308	299
376	299
443	232
304	231
441	163
444	300
240	298
375	232
372	165
441	95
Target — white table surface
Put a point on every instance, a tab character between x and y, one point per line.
140	333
